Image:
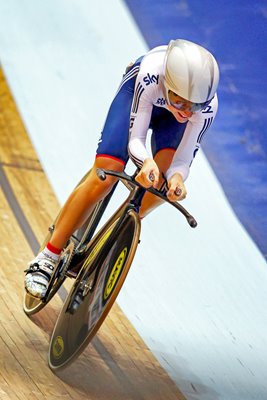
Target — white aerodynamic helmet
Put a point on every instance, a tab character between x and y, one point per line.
191	72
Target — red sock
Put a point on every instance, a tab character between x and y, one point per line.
53	249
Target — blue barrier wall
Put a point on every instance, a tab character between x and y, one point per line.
236	32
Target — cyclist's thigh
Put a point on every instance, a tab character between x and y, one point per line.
163	159
92	183
113	142
107	163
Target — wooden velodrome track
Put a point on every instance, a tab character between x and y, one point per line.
117	364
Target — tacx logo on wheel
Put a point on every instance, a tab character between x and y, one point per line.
115	272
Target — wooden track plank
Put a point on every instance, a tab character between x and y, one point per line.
130	346
36	200
117	364
15	147
5	392
14	374
21	337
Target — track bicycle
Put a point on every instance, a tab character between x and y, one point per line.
99	263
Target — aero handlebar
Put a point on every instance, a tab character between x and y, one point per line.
101	173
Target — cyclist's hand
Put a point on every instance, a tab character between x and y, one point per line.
177	190
149	174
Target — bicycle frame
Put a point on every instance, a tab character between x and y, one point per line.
131	204
132	201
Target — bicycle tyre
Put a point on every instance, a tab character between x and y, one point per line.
74	330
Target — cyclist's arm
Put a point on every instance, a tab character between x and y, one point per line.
137	147
148	88
139	124
195	130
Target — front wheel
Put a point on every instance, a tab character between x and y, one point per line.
95	290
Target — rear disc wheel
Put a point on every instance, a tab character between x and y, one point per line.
93	294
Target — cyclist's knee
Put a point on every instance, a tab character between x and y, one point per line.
107	162
111	164
94	184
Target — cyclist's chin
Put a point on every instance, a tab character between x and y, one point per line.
180	116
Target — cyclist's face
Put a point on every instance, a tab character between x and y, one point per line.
180	107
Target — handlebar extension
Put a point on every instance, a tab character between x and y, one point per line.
101	173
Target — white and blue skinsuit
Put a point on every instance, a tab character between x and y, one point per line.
140	104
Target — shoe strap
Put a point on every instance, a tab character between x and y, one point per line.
36	268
